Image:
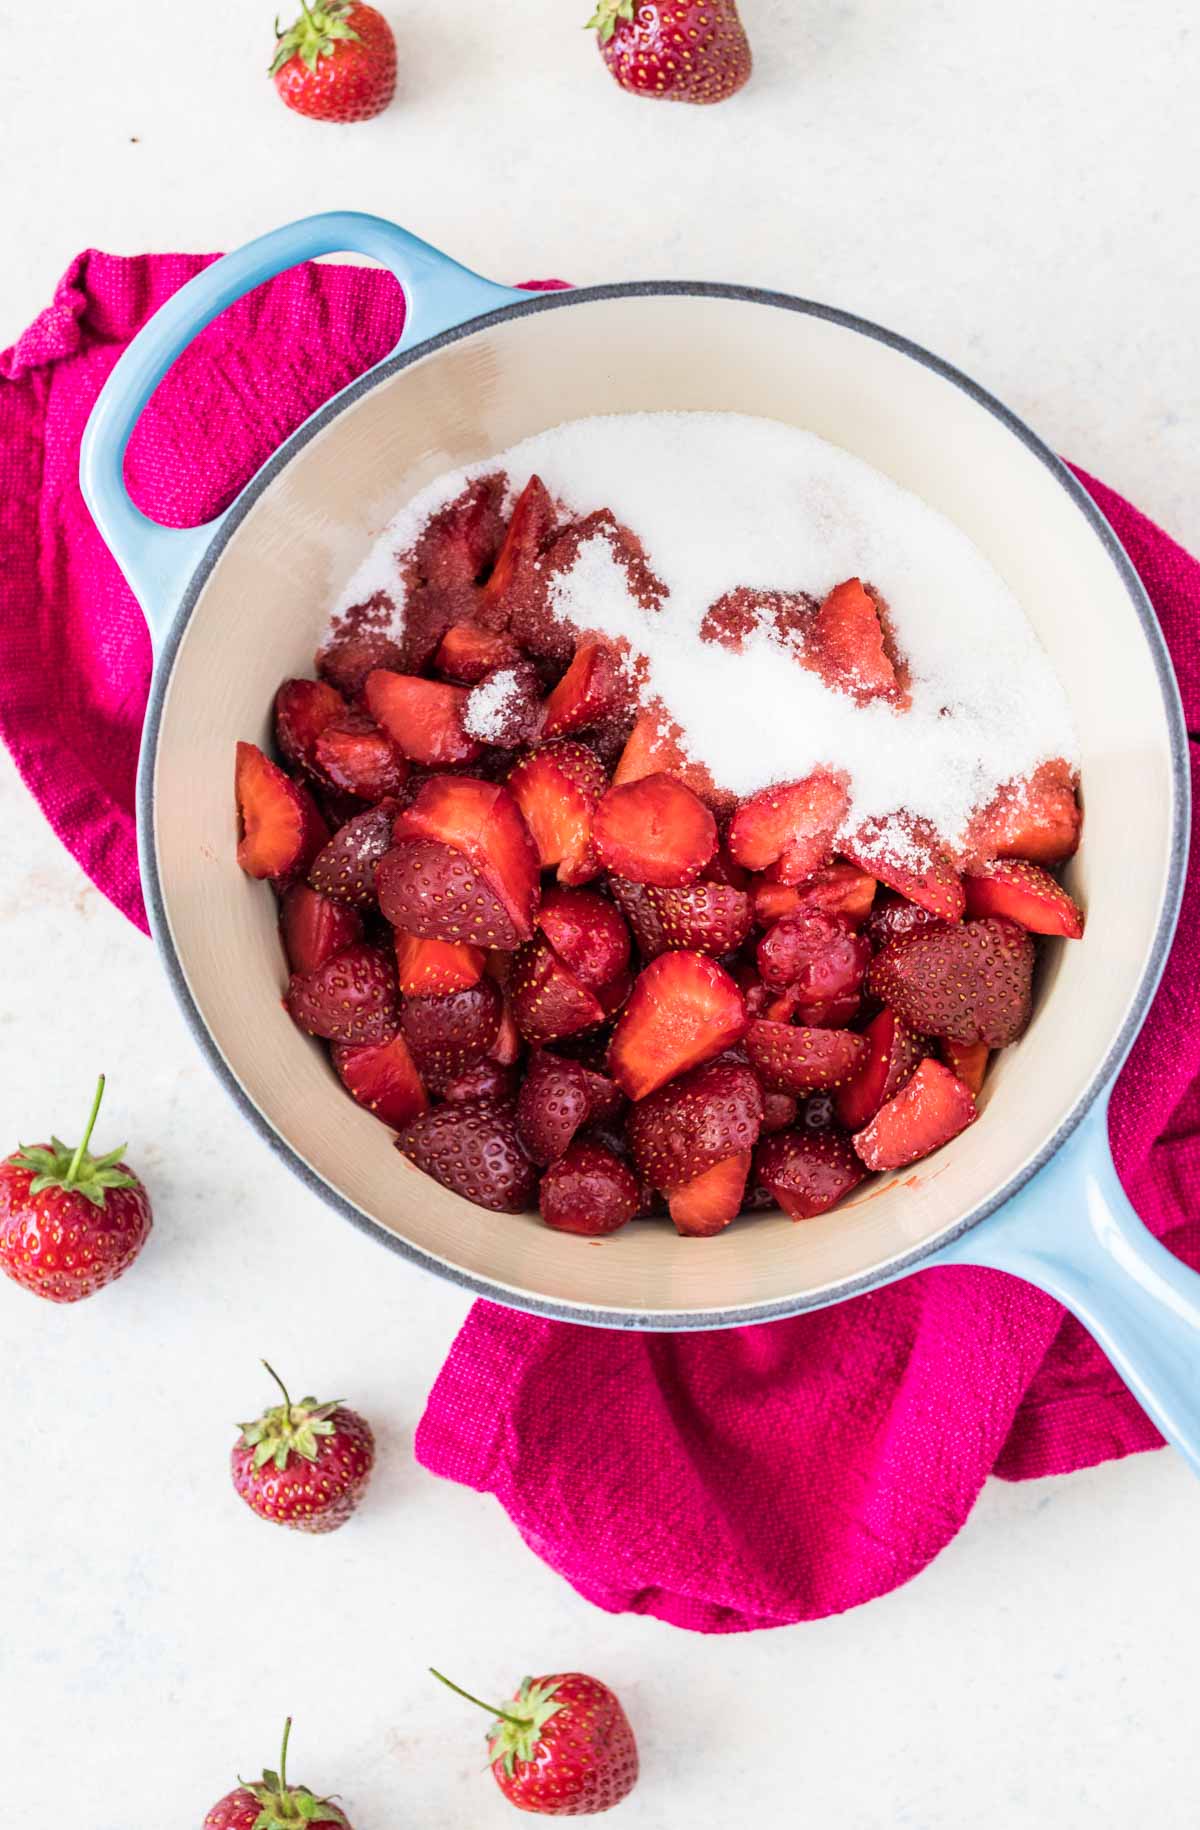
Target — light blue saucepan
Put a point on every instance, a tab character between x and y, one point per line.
237	604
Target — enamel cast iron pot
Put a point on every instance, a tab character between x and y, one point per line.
236	605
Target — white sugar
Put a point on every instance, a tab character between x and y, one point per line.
723	500
488	704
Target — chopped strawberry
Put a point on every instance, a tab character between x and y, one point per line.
303	708
531	525
314	927
814	955
695	1121
425	968
929	880
894	916
652	749
707	1204
558	788
423	718
1038	820
703	917
840	889
559	1097
587	933
484	822
970	982
336	806
351	998
614	994
506	707
848	643
1026	894
547	1000
683	1010
791	826
796	1059
350	656
721	868
639	905
807	1171
469	652
356	756
473	1149
452	1031
506	1049
930	1109
825	1013
383	1077
654	831
486	1079
459	542
430	612
588	691
780	1111
967	1061
436	892
281	827
893	1052
589	1190
345	868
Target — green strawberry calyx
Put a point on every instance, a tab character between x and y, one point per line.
284	1806
72	1168
515	1733
288	1429
316	34
607	13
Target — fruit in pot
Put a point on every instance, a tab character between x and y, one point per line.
683	1009
971	982
929	1110
674	50
281	826
694	1122
337	62
351	998
789	829
273	1804
808	1171
1026	894
561	1747
305	1465
588	1190
654	831
472	1148
794	1058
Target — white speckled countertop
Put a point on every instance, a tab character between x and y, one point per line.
1018	188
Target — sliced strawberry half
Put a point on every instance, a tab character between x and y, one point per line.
654	831
428	968
807	1171
587	932
933	1107
459	543
926	877
588	692
434	891
303	708
558	788
383	1077
469	652
967	1061
357	757
893	1052
484	822
486	1079
790	827
796	1059
707	1204
281	825
506	707
472	1148
703	917
848	643
695	1121
1026	894
314	927
639	905
1038	819
559	1097
683	1010
547	1000
589	1190
449	1032
423	718
351	998
531	525
345	868
970	982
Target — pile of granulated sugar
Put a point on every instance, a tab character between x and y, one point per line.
721	500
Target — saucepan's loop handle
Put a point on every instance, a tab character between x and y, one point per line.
1073	1232
158	561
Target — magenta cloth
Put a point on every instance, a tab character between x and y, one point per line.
721	1482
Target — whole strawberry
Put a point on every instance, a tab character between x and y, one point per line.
304	1465
562	1747
70	1222
677	50
337	62
273	1804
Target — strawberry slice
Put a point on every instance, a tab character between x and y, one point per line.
589	1190
350	656
639	905
780	1111
281	826
807	1171
654	831
450	1032
894	916
790	827
614	994
587	933
303	708
930	880
848	644
486	1079
893	1052
458	543
694	1122
345	868
1026	894
559	1097
423	718
506	1049
314	927
926	1113
796	1059
357	757
970	982
483	821
967	1061
558	788
547	1000
435	892
426	968
706	1205
383	1077
1038	820
702	917
840	889
469	652
814	954
531	525
683	1010
653	748
429	612
472	1148
588	692
351	998
506	707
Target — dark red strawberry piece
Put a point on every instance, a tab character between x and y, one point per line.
506	707
847	644
426	968
614	995
356	651
458	543
558	788
708	1203
435	892
423	718
483	821
1026	894
893	916
345	868
790	827
351	998
1038	820
930	1109
559	1097
485	1079
690	1124
303	708
893	1052
654	831
430	611
588	1190
451	1032
280	824
683	1010
923	873
357	757
530	527
547	1000
814	952
472	1148
314	927
808	1172
838	889
967	1061
705	917
383	1077
588	692
506	1049
796	1059
587	932
970	982
780	1110
469	652
639	905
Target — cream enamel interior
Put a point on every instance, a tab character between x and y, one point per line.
262	610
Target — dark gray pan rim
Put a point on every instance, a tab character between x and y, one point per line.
667	1321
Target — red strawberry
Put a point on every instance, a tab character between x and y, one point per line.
790	827
345	868
848	643
807	1171
383	1077
675	50
893	1052
639	905
1026	894
356	756
929	1110
337	62
70	1222
588	692
839	889
426	967
506	1049
303	1465
683	1010
429	611
893	916
1038	820
351	998
473	1149
547	1000
531	525
314	927
588	1190
281	827
780	1110
816	954
970	982
930	881
450	1033
485	1079
303	709
967	1061
423	718
357	651
690	1124
704	917
561	1747
613	996
587	933
273	1804
793	1059
469	652
484	822
707	1203
558	788
459	543
654	831
435	892
652	748
506	706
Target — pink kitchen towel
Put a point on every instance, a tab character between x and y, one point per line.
721	1482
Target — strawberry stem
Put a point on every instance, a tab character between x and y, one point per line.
287	1730
81	1148
287	1401
517	1721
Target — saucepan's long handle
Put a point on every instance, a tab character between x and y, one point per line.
1073	1232
158	561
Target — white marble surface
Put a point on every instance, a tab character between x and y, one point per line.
1016	187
